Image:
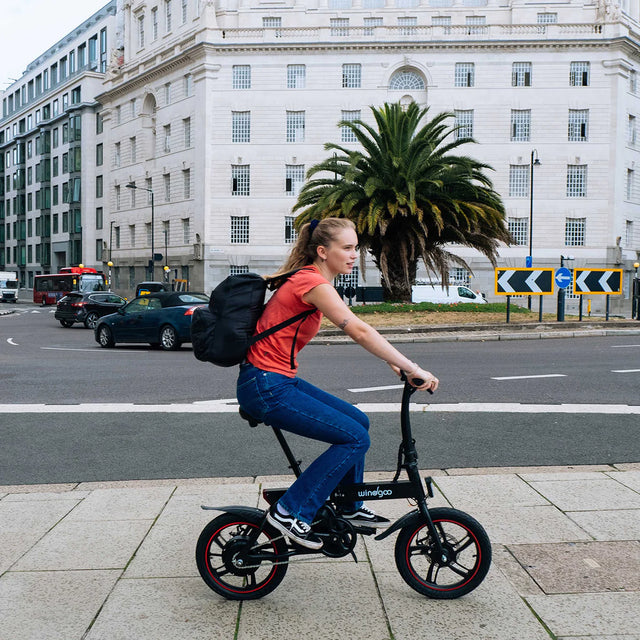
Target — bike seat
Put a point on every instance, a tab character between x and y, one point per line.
250	419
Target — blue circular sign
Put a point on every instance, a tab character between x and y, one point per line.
563	277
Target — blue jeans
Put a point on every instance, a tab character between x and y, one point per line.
291	404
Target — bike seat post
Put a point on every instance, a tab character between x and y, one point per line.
293	463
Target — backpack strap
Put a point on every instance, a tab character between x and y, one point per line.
285	323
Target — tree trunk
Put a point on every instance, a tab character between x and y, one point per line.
401	277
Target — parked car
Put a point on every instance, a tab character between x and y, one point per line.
162	319
438	294
87	308
144	288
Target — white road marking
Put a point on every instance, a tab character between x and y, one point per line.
231	406
364	389
624	346
11	342
625	370
94	350
545	375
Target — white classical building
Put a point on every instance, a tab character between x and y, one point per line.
51	170
218	108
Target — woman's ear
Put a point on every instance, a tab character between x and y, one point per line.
322	252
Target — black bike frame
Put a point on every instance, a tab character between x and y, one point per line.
407	460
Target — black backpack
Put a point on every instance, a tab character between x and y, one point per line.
223	332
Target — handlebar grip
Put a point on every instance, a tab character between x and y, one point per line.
416	381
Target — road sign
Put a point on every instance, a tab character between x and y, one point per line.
528	262
563	277
597	281
516	282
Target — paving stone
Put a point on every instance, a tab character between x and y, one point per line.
524	472
517	525
51	605
23	523
315	601
582	567
175	609
467	492
493	611
620	524
589	614
588	495
38	496
123	504
86	545
629	479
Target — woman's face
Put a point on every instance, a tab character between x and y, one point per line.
342	252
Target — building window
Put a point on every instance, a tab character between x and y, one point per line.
579	74
240	126
296	76
442	21
240	180
186	182
167	186
99	155
633	81
294	179
339	26
241	76
140	31
476	25
405	80
574	232
167	93
117	157
577	181
459	276
167	15
188	85
370	25
547	18
346	133
184	11
345	280
521	74
407	26
99	186
464	74
117	196
273	23
167	138
578	125
290	233
239	229
519	180
238	269
464	123
519	229
154	23
295	126
134	149
520	125
628	233
630	182
132	235
166	232
186	230
186	128
632	131
99	218
351	76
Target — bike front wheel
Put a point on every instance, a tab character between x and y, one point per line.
237	559
459	570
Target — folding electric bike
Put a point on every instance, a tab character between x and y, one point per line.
441	552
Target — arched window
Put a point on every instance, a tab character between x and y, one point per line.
406	80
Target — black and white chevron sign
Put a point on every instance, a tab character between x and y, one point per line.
607	281
514	282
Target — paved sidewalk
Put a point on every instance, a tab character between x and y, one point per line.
116	561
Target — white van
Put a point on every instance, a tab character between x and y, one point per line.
441	295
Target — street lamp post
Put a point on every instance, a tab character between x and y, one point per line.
635	309
534	162
132	185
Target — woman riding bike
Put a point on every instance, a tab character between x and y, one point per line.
269	390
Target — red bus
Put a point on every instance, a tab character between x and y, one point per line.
50	287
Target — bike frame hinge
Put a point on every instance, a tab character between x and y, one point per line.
429	482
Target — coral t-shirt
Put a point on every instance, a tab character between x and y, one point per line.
273	353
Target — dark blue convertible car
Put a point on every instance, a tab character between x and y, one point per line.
162	319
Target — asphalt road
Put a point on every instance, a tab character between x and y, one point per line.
40	362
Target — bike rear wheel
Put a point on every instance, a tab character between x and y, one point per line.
237	560
466	561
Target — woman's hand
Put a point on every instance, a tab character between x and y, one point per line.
428	380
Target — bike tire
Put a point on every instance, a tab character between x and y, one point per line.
222	551
468	548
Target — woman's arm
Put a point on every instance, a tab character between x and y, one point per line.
327	300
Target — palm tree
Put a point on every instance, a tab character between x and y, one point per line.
408	194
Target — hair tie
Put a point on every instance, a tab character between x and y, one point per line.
312	226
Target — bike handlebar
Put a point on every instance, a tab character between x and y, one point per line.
416	381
